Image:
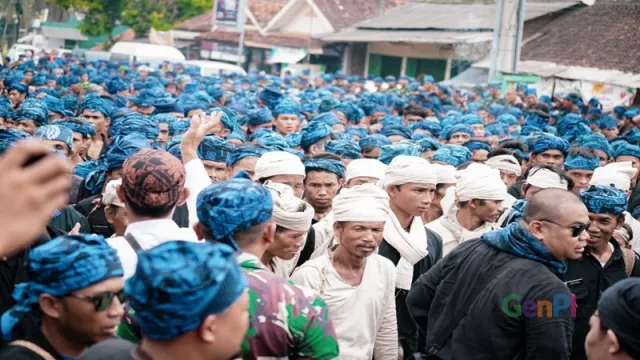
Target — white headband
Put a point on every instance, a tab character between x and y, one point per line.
446	173
365	168
619	174
481	182
289	211
409	169
505	162
547	179
278	163
367	203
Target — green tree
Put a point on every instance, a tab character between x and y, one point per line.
101	17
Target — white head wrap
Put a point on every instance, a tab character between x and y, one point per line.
505	162
478	181
547	179
289	211
619	174
365	168
367	203
278	163
409	169
110	196
446	173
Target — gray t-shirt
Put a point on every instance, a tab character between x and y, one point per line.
113	349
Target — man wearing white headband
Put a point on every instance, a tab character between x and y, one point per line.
620	175
360	298
479	193
364	171
540	177
410	182
292	217
282	168
510	171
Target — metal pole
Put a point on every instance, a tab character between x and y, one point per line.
213	15
241	48
496	38
518	45
242	20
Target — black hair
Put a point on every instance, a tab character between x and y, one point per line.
242	238
413	109
505	151
582	151
150	211
306	149
515	145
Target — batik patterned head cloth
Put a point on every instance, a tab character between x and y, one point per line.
573	162
351	111
152	178
294	139
179	283
396	130
327	118
272	140
346	149
32	109
270	96
389	152
375	140
328	165
604	199
356	131
78	125
8	138
213	148
475	145
596	142
313	133
245	151
55	133
259	116
95	103
60	267
179	127
135	123
459	128
122	147
626	149
431	126
544	142
454	155
287	106
232	206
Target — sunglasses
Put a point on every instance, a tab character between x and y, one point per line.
576	230
104	300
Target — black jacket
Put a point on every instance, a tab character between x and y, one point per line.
492	328
515	190
587	280
29	330
406	326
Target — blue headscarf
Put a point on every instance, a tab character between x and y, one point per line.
246	151
122	147
259	116
351	111
328	165
459	128
431	126
78	125
232	206
544	142
60	267
327	118
346	149
328	104
135	123
604	199
94	103
454	155
8	138
608	122
173	146
508	119
179	283
287	106
164	119
116	84
427	143
272	140
474	145
390	152
471	119
497	129
356	131
313	133
293	139
596	142
375	140
179	126
270	96
392	120
213	148
626	149
396	130
581	163
32	109
55	133
55	105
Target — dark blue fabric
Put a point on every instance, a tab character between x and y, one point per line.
328	165
604	199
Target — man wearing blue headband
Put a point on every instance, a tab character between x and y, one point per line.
603	263
324	177
81	131
579	165
75	288
286	116
95	111
549	149
314	137
216	154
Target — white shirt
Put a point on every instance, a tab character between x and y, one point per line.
364	316
152	233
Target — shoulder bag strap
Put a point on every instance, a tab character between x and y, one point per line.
33	347
135	245
629	258
468	302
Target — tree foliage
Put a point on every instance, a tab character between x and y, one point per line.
102	16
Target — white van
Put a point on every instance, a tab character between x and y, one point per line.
208	68
132	52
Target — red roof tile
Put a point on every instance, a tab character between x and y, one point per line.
344	13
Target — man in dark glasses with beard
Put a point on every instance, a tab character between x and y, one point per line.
73	299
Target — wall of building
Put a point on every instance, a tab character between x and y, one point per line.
306	22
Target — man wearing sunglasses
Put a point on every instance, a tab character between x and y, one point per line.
467	305
604	262
73	299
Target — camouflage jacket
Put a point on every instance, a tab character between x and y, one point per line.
286	321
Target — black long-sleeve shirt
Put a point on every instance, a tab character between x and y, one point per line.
493	328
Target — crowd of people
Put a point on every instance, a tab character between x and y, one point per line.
151	213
